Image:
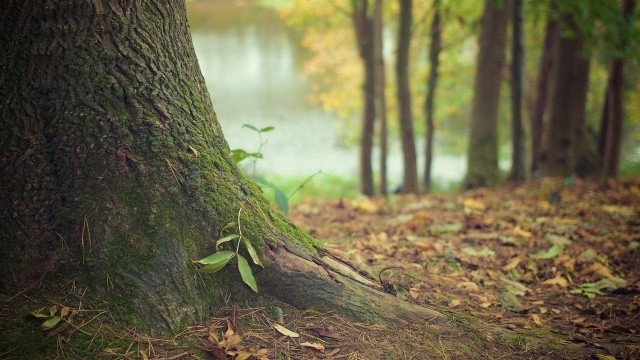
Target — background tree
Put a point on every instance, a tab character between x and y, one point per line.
542	90
363	26
410	179
613	114
482	156
116	175
562	149
381	101
434	54
518	162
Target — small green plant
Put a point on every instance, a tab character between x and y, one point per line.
238	155
217	261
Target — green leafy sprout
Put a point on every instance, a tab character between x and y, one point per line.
217	261
238	155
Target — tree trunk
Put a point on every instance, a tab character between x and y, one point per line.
546	64
434	53
615	106
381	102
518	163
565	145
410	180
482	157
363	25
116	175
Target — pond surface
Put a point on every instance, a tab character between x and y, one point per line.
252	64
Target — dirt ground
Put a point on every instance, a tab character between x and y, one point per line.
547	270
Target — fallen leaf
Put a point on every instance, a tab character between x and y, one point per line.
469	286
453	303
284	331
474	205
314	346
512	264
558	280
536	319
598	269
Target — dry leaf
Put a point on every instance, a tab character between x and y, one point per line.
523	233
598	269
284	331
314	346
558	280
536	319
512	264
474	205
454	303
469	286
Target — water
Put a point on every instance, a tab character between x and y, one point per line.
252	65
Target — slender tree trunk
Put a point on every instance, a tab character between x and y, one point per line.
518	163
544	74
410	181
482	158
615	102
116	176
381	102
566	143
434	53
363	25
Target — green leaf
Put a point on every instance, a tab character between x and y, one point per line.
238	155
50	324
216	261
281	200
250	127
246	274
227	227
549	254
252	252
226	239
267	129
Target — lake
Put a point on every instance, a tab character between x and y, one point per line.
252	64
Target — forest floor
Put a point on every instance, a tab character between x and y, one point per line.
549	269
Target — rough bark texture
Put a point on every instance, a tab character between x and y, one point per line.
363	25
116	175
518	163
615	106
565	145
410	179
544	74
434	53
482	157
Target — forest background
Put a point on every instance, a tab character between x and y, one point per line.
328	72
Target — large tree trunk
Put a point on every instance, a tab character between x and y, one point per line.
381	99
363	25
615	109
410	180
566	143
434	54
482	156
116	175
542	97
518	163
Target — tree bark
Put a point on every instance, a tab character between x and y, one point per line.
434	53
566	144
518	163
482	156
363	25
381	100
615	105
546	65
116	175
410	180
